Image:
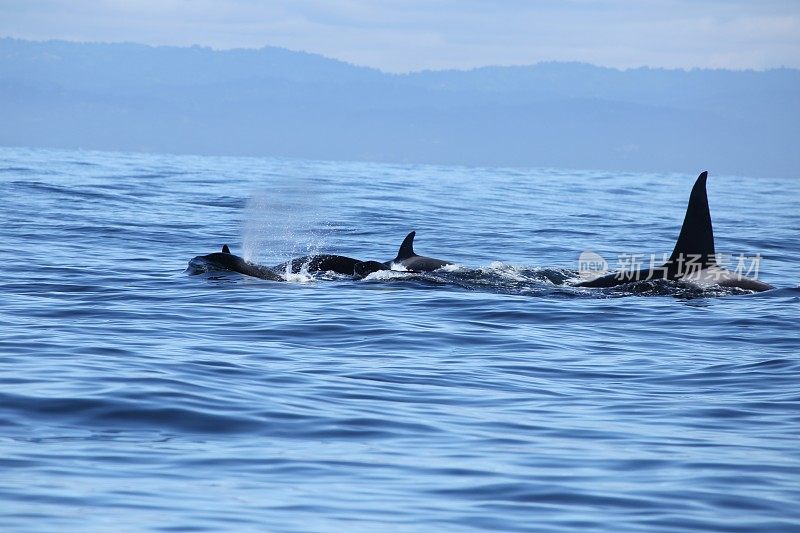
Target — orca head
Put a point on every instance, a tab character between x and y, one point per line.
362	269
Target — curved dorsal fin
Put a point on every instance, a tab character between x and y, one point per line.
407	248
697	235
225	249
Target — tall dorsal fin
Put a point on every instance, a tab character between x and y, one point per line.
697	235
407	248
225	249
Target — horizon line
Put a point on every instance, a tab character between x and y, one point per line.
396	73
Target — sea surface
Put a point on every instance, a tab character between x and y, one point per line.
490	396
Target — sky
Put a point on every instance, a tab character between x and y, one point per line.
411	35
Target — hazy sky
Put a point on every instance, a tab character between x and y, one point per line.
403	35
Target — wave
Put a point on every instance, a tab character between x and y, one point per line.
497	277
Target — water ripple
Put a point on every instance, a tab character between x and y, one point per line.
491	396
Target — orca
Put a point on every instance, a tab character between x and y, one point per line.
339	264
408	260
225	260
365	268
694	259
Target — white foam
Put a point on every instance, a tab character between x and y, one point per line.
507	271
299	277
303	276
388	274
451	268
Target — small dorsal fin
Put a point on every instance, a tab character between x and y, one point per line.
407	248
225	249
697	235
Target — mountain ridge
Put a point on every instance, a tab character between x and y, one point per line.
277	102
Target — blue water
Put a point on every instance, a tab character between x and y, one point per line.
490	397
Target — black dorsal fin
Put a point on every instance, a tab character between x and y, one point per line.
407	248
697	236
225	249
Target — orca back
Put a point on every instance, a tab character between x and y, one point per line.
339	264
363	269
225	260
407	258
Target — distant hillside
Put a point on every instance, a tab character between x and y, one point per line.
278	102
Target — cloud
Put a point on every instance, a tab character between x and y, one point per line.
403	35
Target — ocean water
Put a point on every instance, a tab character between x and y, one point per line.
491	396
